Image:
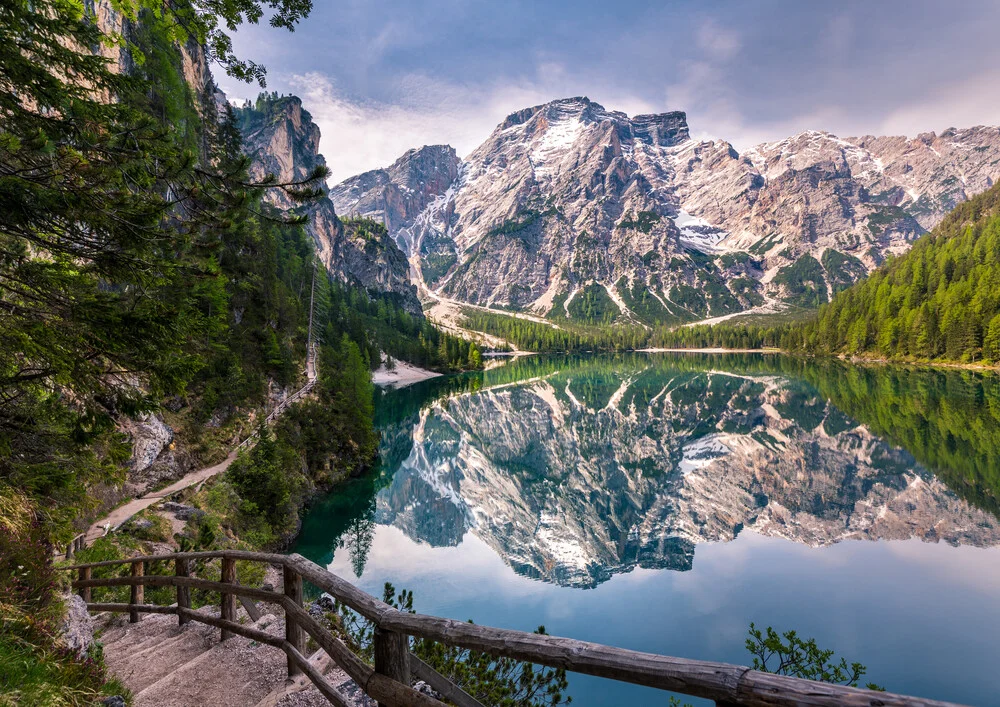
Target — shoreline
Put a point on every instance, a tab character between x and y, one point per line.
402	375
709	350
918	364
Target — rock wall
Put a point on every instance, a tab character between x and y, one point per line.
281	139
569	195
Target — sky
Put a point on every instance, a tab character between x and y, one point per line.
382	76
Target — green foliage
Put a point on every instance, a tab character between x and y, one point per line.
937	302
644	221
118	223
207	23
647	307
333	432
703	336
592	305
36	669
261	479
803	282
378	324
746	288
528	335
842	270
503	682
520	222
434	266
765	244
149	526
689	298
787	654
880	219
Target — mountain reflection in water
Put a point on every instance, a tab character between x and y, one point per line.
574	469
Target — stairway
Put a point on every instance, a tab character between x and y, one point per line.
166	665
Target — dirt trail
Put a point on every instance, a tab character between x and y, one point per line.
121	514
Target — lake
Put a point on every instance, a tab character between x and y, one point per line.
662	502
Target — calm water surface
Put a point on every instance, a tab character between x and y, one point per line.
662	502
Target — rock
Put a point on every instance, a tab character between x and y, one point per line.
398	194
267	587
661	226
182	512
76	632
326	602
139	524
424	689
150	436
281	139
114	701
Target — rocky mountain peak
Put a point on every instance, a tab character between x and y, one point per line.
662	129
281	139
647	224
399	193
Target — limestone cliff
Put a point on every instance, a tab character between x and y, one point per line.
568	198
281	139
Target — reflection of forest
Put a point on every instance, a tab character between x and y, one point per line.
574	469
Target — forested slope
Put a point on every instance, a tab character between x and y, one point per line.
939	301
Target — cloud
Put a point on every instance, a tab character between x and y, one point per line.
717	42
962	104
359	135
363	134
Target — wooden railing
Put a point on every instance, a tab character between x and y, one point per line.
388	681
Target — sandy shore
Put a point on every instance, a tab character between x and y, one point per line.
402	375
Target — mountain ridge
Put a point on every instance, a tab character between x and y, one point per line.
281	138
662	227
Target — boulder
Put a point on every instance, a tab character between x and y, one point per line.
76	632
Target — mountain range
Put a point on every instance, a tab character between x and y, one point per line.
570	211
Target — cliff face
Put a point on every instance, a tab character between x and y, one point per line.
281	139
569	195
397	195
575	477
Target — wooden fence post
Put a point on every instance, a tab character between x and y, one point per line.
85	591
181	569
293	632
137	594
392	656
228	600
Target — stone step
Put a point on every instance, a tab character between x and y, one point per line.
166	665
121	638
235	673
165	655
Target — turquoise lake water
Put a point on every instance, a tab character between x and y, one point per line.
662	502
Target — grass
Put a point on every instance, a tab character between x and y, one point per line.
38	672
35	669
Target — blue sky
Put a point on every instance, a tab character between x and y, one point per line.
381	76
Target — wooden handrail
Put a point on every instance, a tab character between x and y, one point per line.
388	681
